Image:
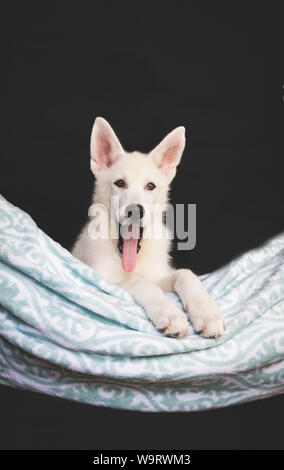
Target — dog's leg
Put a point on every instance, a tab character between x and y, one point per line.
203	312
164	314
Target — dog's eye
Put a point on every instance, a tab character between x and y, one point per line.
120	183
150	186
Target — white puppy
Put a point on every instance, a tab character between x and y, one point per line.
124	250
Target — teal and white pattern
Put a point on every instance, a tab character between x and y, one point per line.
67	332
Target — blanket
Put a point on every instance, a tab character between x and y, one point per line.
67	332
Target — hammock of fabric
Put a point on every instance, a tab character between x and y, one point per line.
67	332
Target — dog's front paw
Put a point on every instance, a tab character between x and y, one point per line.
207	319
172	323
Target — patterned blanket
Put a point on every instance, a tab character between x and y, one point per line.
67	332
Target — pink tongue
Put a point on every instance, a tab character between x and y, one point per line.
129	250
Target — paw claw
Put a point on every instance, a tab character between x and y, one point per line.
173	323
173	335
162	330
208	320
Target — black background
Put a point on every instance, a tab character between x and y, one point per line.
147	68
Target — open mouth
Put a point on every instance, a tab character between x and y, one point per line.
129	244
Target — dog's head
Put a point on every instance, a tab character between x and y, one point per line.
136	181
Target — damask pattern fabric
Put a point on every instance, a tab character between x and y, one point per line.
67	332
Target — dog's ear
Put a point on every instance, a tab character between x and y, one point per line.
168	153
105	146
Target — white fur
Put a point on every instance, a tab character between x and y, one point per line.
153	274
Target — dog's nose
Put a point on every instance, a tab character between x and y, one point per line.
135	212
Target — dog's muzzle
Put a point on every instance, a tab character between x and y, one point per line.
130	236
